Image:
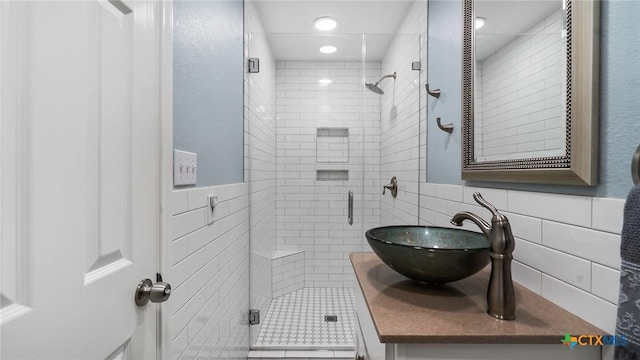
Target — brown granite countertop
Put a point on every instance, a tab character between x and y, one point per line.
405	311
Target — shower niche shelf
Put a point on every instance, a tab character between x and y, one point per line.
332	145
332	175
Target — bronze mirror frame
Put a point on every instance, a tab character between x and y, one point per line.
579	164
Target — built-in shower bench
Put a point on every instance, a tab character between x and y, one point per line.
287	271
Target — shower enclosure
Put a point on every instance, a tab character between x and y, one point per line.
323	134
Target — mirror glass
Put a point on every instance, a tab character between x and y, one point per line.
519	78
529	95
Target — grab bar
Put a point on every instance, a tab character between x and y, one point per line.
350	212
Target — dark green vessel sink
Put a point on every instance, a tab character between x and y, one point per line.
430	254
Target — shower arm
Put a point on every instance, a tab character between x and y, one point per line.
384	77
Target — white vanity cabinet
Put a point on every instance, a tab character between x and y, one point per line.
385	297
367	343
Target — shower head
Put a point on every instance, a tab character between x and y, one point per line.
375	88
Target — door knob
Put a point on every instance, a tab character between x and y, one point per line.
148	291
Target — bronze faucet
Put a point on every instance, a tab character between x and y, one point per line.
501	297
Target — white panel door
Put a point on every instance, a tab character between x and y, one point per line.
80	177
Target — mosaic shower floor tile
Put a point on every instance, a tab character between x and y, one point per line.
310	318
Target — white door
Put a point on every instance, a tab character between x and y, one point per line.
80	179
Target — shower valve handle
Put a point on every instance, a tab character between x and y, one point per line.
393	186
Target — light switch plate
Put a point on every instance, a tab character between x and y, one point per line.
185	168
212	203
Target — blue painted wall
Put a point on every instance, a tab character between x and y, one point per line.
619	95
208	87
619	98
444	54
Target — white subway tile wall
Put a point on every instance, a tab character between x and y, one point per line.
400	120
520	109
570	269
607	214
332	145
210	274
417	23
582	303
311	208
260	160
287	268
527	276
478	109
561	253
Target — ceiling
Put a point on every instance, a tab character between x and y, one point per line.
292	36
288	25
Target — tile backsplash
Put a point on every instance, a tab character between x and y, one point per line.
567	247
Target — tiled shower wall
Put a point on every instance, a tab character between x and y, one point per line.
312	213
567	247
521	86
260	159
400	119
210	274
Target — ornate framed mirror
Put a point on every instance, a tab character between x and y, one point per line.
530	91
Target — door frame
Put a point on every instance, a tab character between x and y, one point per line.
166	171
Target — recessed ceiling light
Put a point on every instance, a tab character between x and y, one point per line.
325	81
480	22
328	49
325	23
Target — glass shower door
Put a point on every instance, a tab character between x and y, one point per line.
305	147
317	140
